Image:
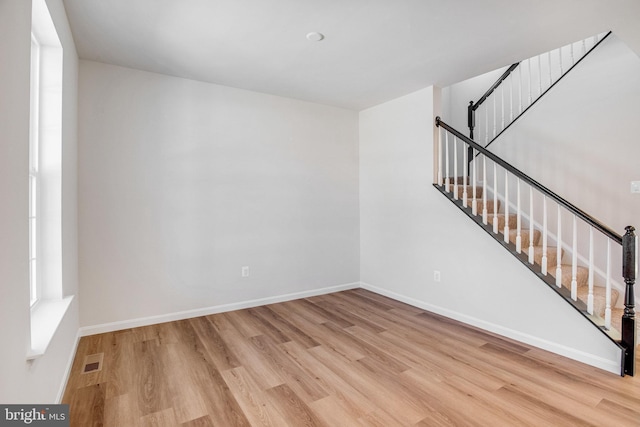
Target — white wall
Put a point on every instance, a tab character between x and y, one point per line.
182	183
455	98
408	230
582	140
40	381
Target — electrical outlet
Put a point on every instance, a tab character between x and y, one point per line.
436	276
245	271
635	186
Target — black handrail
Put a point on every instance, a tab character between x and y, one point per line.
495	85
567	205
472	107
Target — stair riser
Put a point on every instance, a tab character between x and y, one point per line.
513	221
489	206
469	192
582	275
552	255
524	237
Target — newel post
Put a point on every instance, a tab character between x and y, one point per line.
629	272
471	121
471	118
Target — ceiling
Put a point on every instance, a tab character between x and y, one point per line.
373	51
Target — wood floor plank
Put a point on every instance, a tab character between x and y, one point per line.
88	406
187	401
389	395
340	310
255	404
121	410
349	398
216	347
292	408
153	395
350	358
199	422
310	305
304	385
331	413
367	349
290	330
165	418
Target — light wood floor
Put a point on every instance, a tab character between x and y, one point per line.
352	358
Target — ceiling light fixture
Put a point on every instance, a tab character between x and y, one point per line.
315	37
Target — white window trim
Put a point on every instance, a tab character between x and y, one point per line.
34	288
49	310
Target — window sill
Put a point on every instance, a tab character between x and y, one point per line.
46	316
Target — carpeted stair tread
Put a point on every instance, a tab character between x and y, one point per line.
469	192
599	298
616	318
489	206
524	236
552	255
452	180
582	275
513	221
582	279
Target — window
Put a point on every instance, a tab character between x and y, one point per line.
47	303
33	171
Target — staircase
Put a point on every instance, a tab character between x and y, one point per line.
530	242
537	226
491	193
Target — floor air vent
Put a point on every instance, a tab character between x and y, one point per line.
93	363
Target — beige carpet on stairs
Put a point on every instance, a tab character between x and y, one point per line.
528	241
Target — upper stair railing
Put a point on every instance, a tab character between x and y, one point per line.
521	86
547	217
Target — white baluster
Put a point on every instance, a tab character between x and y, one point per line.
511	97
474	201
559	251
506	206
502	103
591	275
486	125
607	310
495	198
584	47
540	74
519	220
573	60
494	116
520	87
447	186
530	83
465	180
455	168
560	60
544	236
439	173
574	262
484	190
550	76
531	249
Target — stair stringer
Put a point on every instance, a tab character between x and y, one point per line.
605	339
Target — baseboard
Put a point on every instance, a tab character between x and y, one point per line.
67	371
571	353
170	317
